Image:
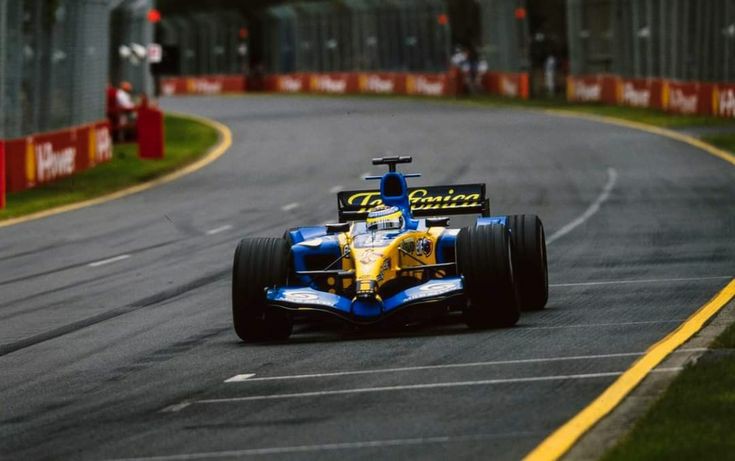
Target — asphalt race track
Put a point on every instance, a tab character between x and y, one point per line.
115	329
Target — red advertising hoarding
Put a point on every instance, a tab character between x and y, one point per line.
723	100
2	174
45	157
204	85
510	84
687	98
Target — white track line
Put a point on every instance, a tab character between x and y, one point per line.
108	261
331	446
364	390
249	377
240	378
217	230
290	206
336	189
176	407
622	282
612	177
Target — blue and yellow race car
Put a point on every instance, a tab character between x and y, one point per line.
392	257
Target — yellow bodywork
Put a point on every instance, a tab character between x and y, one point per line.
379	264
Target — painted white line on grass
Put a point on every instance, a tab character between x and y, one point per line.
217	230
612	177
290	206
364	390
108	261
249	377
240	378
331	446
336	189
623	282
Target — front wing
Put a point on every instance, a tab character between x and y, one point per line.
305	300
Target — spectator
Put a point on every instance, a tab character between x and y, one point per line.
125	109
550	75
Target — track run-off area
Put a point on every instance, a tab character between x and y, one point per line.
115	325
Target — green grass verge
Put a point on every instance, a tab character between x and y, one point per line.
694	418
186	141
725	141
649	116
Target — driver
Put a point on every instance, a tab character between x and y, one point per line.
383	218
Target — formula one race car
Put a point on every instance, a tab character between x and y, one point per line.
393	257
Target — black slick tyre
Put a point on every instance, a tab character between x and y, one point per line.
260	263
529	259
484	258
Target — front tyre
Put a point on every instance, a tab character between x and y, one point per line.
484	259
260	263
529	252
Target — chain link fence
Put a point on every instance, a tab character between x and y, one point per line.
677	39
504	40
204	43
53	64
356	35
130	33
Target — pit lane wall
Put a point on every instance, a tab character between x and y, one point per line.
45	157
401	83
687	98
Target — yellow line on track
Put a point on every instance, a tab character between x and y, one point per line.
224	143
561	440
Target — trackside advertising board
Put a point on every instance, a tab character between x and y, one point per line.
679	97
45	157
204	85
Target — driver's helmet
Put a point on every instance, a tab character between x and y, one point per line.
384	218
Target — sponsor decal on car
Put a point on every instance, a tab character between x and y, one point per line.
437	288
424	247
305	297
422	198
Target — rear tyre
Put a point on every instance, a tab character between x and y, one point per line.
484	258
529	253
260	263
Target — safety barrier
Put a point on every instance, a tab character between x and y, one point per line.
45	157
714	99
404	83
2	174
205	84
510	84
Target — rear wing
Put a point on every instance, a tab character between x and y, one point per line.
425	201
